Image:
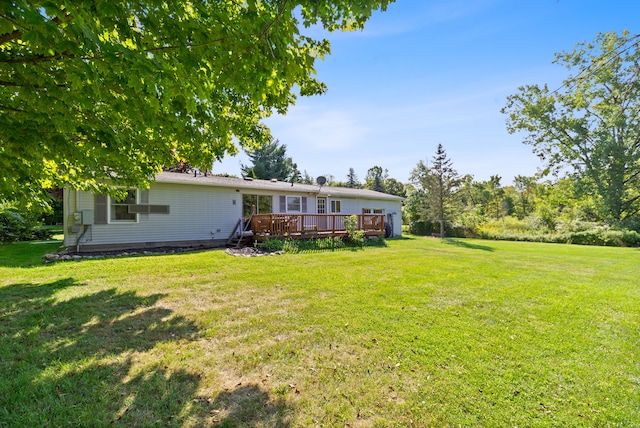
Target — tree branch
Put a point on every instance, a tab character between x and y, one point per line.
17	34
3	107
36	59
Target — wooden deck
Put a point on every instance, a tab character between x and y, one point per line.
306	226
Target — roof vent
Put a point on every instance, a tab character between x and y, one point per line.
274	180
248	178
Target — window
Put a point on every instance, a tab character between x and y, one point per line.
293	204
263	204
372	211
119	209
335	206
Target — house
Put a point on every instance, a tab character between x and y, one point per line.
182	209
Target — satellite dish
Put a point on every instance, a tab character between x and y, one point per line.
321	180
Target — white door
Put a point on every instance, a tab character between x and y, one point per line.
322	209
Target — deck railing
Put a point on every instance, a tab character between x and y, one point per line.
302	225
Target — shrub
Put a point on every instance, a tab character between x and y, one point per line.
606	237
354	236
271	245
310	245
16	226
425	227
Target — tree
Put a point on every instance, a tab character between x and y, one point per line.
376	178
306	178
525	188
438	184
591	124
352	179
99	93
270	161
496	196
395	187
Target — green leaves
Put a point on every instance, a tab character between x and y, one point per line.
590	126
113	89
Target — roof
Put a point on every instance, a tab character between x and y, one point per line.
275	186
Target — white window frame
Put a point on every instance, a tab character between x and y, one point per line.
373	211
113	203
291	203
321	205
335	206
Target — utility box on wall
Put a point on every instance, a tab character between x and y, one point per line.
83	217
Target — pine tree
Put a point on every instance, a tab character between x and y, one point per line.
352	179
376	177
439	184
270	161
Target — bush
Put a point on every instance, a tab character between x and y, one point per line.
605	237
425	227
16	226
354	237
271	245
310	245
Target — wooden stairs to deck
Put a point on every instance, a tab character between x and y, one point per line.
241	235
238	242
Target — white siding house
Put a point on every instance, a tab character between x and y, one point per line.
188	209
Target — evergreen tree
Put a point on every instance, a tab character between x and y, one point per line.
376	178
438	184
270	161
352	179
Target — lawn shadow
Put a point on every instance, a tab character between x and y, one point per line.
403	237
468	245
248	406
77	361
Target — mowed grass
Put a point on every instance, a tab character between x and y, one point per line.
422	332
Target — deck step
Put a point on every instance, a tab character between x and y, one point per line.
238	242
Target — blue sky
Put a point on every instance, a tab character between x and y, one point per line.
427	72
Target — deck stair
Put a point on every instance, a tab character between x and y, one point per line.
241	234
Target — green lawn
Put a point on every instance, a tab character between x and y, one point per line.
422	332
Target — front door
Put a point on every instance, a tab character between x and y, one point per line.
322	209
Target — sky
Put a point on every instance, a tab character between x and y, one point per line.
429	72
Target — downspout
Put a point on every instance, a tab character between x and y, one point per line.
68	212
84	230
76	210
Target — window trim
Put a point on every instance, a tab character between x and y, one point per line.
258	197
112	203
335	206
373	211
288	204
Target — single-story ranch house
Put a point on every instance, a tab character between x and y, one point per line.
182	209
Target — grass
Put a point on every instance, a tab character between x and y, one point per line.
422	332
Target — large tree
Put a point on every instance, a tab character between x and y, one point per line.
270	161
438	184
592	123
113	90
375	179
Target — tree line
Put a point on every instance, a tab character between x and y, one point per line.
103	97
587	133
